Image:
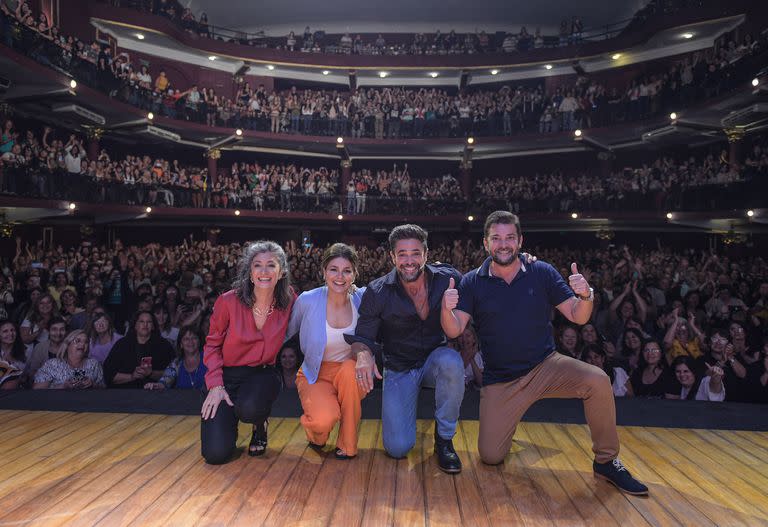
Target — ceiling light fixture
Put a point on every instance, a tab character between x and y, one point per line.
140	36
494	72
616	56
548	66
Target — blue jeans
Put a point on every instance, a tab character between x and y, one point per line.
443	371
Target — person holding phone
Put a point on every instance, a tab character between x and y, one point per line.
73	369
139	357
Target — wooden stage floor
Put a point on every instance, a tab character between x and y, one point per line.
65	468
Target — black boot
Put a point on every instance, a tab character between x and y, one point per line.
447	458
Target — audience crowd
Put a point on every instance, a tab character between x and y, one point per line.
673	323
392	112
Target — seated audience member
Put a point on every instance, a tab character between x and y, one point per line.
34	328
288	363
101	335
187	369
651	378
50	349
596	356
73	369
631	348
141	356
683	338
12	356
568	343
693	386
167	330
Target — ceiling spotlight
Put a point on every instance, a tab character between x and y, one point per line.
212	57
494	72
148	210
238	132
237	213
72	206
548	66
574	215
750	213
383	74
470	140
150	116
73	84
669	215
616	56
433	74
673	116
470	218
340	217
687	35
140	36
339	140
270	67
326	72
577	133
755	82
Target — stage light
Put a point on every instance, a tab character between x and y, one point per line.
548	66
340	217
755	82
340	140
433	74
669	215
574	215
72	206
470	218
470	140
326	72
616	56
750	213
687	35
673	116
577	133
140	36
383	74
73	84
238	132
148	210
270	67
150	116
494	72
212	57
237	213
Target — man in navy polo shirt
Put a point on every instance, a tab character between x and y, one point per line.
510	302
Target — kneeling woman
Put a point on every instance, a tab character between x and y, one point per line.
326	381
247	329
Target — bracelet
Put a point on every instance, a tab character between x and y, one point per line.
220	387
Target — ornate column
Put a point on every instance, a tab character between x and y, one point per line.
93	134
735	135
346	176
466	179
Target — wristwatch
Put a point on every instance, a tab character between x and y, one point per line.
590	297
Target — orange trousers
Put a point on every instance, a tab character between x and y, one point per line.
334	397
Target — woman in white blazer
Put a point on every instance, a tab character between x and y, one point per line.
326	381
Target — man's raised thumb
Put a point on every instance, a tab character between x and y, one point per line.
451	283
574	270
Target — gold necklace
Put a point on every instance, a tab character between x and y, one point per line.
259	313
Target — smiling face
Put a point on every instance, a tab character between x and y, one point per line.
190	344
265	271
7	334
57	332
589	334
288	359
652	353
684	375
101	325
569	338
410	258
339	275
503	243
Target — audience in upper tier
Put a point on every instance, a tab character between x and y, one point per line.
679	324
398	112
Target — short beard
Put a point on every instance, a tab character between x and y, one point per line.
410	280
502	263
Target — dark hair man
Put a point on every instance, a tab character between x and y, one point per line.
510	301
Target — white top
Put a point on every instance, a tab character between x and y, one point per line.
703	394
336	348
620	379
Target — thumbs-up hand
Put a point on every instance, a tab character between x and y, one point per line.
451	296
577	282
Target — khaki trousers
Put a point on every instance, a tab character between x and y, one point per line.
502	405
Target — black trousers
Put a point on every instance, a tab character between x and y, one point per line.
252	390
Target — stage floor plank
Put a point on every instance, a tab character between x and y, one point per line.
64	468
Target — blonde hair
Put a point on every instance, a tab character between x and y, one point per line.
69	339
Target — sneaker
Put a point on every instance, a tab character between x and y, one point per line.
614	472
447	458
